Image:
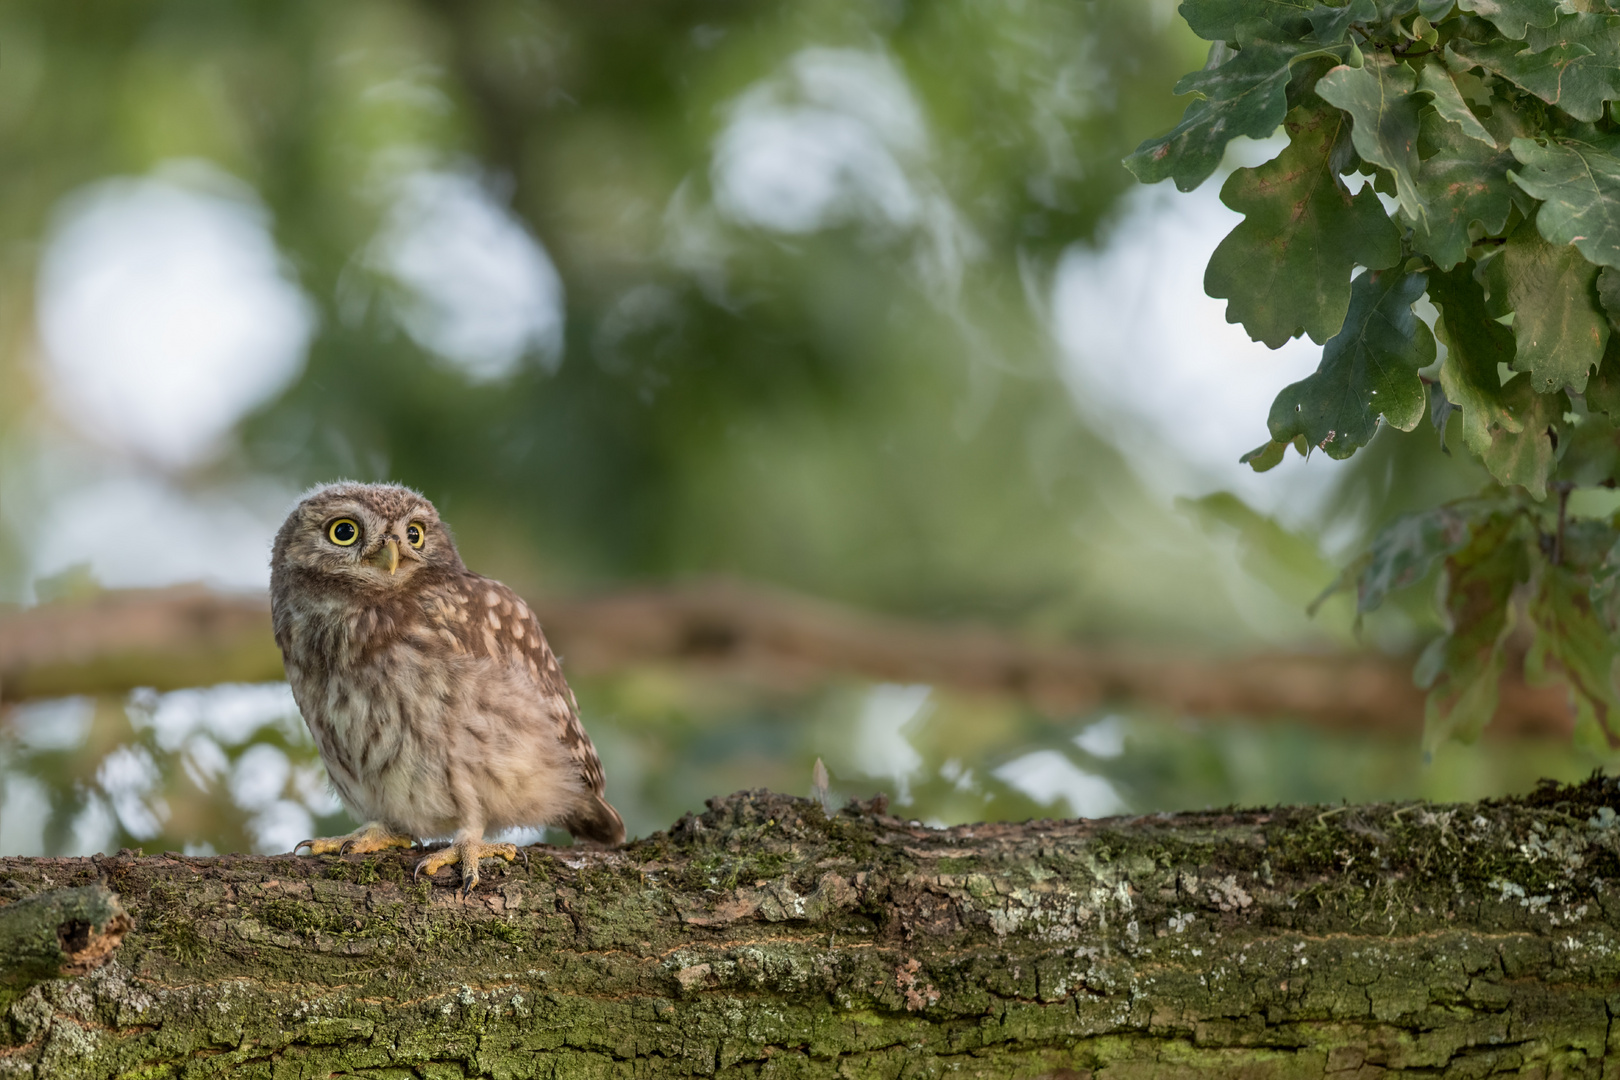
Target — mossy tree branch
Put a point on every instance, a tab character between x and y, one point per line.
765	939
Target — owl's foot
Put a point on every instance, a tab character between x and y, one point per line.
372	836
467	852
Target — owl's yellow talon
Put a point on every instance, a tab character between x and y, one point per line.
372	836
467	853
435	862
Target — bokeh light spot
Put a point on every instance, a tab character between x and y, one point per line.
166	312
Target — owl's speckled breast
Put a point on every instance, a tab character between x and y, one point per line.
373	701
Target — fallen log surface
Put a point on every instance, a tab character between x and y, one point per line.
764	938
191	636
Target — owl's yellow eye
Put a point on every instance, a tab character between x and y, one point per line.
343	532
414	535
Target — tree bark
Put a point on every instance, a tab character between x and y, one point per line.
56	934
764	938
189	636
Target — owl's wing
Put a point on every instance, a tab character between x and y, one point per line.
485	618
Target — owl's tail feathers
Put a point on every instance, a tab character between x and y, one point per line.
597	822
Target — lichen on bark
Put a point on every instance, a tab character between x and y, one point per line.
764	938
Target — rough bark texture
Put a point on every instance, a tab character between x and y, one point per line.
190	636
765	939
62	933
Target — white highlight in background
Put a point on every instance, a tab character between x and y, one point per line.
231	712
1047	775
57	724
138	531
25	806
821	144
479	289
1152	360
1105	738
166	312
881	747
128	776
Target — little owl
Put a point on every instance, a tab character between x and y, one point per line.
436	703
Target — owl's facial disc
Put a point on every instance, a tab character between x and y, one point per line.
371	537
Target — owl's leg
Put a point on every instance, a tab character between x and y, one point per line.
372	836
467	848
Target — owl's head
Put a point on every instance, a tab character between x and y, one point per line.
372	536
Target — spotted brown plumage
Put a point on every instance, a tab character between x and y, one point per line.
436	703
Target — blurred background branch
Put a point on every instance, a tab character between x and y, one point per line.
168	639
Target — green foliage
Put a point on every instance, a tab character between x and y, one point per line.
1462	667
1498	420
1579	184
1384	111
1572	66
1463	183
1287	266
1369	371
1490	126
1409	548
1573	646
1513	17
1559	331
1447	95
1291	564
1245	95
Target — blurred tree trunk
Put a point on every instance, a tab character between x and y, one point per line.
764	939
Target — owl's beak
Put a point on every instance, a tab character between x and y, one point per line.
386	556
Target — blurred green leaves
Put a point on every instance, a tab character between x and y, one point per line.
1462	668
832	385
1574	646
1292	564
1407	550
